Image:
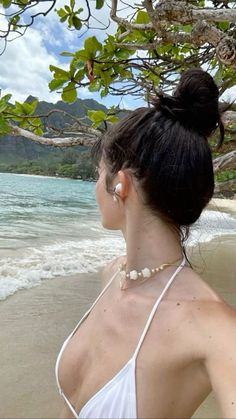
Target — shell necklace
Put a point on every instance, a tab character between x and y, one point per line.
143	275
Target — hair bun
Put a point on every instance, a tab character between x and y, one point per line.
194	102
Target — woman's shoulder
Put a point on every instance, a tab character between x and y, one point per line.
110	269
211	318
201	297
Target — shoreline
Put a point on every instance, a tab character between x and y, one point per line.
49	176
90	179
223	205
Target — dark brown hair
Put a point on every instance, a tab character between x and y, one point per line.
166	148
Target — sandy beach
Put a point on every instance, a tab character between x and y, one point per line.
35	322
227	205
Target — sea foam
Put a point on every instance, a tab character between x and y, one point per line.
60	259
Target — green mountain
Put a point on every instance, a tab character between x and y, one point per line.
14	150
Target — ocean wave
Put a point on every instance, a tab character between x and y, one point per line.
211	224
61	259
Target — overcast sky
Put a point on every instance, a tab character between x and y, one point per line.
25	63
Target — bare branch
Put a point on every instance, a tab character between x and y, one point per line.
84	137
126	23
181	12
225	161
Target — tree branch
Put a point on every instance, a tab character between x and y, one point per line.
85	137
126	23
180	12
225	161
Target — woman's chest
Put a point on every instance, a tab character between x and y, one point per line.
108	339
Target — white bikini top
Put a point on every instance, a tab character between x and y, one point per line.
117	398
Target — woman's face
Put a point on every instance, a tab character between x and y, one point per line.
111	214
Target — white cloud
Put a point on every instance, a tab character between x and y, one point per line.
25	63
25	68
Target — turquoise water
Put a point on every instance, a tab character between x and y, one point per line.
51	227
35	208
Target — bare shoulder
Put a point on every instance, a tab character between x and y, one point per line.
212	320
192	288
109	270
217	321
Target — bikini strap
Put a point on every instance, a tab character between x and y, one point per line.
149	320
70	405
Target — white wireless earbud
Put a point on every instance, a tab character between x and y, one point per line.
118	188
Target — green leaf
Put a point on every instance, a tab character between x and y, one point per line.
17	118
68	9
4	127
38	131
97	117
104	92
95	85
63	19
14	21
69	93
6	3
78	11
61	12
79	75
76	22
91	46
224	26
33	106
123	54
125	74
29	108
23	2
18	108
105	78
82	55
24	124
70	21
187	28
72	4
142	17
99	4
112	118
56	84
78	64
7	97
67	54
59	73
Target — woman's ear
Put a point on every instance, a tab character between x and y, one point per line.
124	184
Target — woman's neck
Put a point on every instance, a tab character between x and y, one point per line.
150	242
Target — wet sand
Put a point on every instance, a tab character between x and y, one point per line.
34	323
227	205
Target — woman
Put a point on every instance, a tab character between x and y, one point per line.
158	338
